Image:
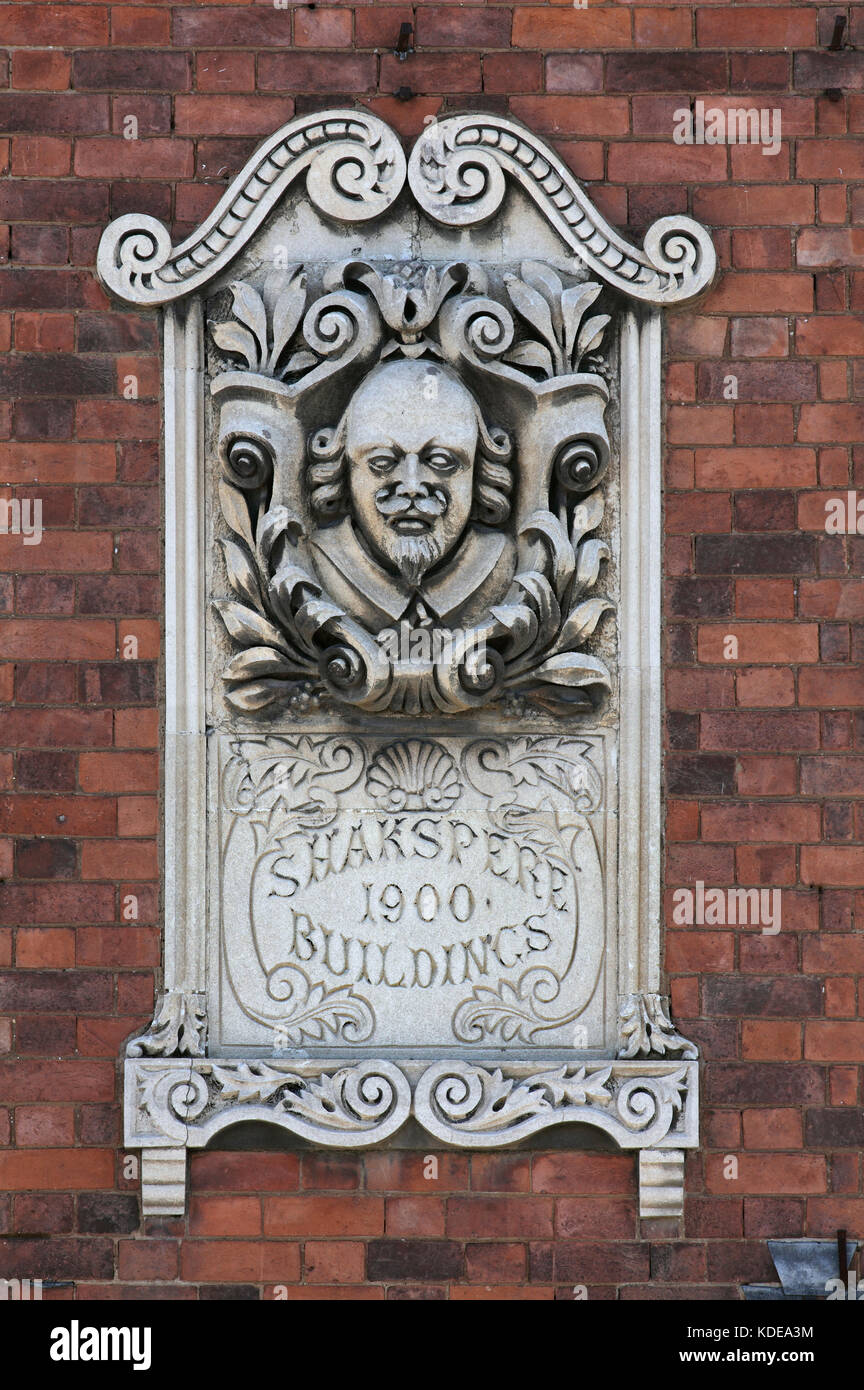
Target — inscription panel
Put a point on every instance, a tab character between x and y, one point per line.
413	892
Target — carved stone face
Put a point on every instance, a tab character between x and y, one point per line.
411	439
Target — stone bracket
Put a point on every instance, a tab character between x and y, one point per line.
177	1103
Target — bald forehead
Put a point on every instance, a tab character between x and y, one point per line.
410	406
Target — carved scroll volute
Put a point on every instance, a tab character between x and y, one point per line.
564	443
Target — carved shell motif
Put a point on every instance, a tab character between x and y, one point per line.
413	776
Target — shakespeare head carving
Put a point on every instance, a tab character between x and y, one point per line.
412	460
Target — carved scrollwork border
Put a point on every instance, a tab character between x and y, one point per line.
456	173
356	169
348	1104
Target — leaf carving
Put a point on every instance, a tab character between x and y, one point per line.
591	335
287	312
248	627
574	302
237	342
235	512
533	308
241	572
249	309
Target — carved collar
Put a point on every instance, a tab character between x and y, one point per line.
444	592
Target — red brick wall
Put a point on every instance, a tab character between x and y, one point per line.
765	764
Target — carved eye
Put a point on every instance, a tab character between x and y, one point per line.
441	460
381	463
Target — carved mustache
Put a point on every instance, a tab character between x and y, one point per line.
393	504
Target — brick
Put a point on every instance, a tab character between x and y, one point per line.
591	1218
664	71
147	1260
831	687
834	1041
225	72
561	115
760	642
53	113
517	72
769	1173
586	1262
495	1263
831	247
56	1169
334	1216
219	1261
334	1261
225	1216
128	71
770	205
529	1217
138	24
837	423
155	158
46	26
223	115
331	1171
768	1217
500	1172
253	1172
779	293
415	1216
424	1260
764	996
307	72
407	1172
57	1258
584	1173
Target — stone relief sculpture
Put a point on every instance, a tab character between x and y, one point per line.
413	512
412	671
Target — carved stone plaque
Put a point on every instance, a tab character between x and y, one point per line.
412	808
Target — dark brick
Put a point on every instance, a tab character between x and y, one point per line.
53	113
43	1213
773	1217
46	1034
770	1083
45	858
42	990
57	1258
243	1293
44	682
116	333
587	1262
57	374
413	1259
712	774
834	1129
119	506
40	245
119	594
759	72
37	421
46	772
758	381
126	70
108	1213
780	554
682	730
763	995
666	72
823	70
764	511
695	598
117	682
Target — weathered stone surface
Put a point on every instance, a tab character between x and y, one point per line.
412	651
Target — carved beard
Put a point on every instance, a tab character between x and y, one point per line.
412	555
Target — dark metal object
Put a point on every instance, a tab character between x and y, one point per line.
836	38
806	1269
403	94
404	45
